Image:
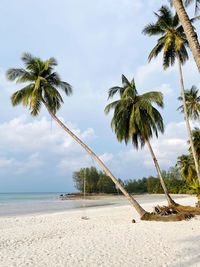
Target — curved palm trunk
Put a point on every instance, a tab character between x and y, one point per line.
189	31
169	199
136	205
187	120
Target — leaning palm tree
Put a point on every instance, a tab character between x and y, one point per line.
174	43
136	119
43	89
188	28
192	99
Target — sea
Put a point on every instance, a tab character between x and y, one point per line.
27	203
30	203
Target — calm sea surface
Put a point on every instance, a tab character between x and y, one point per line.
26	203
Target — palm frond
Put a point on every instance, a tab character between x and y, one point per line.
153	29
154	97
13	74
50	63
156	50
66	87
113	90
35	109
22	95
112	106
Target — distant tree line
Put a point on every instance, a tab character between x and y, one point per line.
95	181
99	182
151	185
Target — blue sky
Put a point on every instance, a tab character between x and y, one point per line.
94	43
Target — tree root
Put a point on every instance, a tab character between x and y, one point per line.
170	218
171	213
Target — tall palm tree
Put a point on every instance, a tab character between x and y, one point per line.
188	28
174	43
43	89
136	119
192	99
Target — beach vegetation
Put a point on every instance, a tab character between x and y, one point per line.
174	44
95	181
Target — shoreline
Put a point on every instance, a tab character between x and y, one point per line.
35	207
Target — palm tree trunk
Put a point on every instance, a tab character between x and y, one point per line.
169	199
189	31
135	204
187	120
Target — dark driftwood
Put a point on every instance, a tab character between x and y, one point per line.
165	211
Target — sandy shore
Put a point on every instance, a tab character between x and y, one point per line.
107	238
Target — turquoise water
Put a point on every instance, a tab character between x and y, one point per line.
18	197
26	203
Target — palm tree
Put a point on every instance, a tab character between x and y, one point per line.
43	89
196	141
173	41
188	28
136	119
185	163
192	103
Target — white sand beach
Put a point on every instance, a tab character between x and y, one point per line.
107	238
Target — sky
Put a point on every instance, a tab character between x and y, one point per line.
94	42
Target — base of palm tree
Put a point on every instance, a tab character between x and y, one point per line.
192	210
171	213
198	203
168	218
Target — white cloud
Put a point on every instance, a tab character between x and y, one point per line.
34	142
167	148
15	166
21	135
106	157
166	89
5	163
74	163
143	72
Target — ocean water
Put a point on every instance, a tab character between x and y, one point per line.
27	203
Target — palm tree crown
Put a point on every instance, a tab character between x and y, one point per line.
134	116
185	163
43	84
173	39
192	102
